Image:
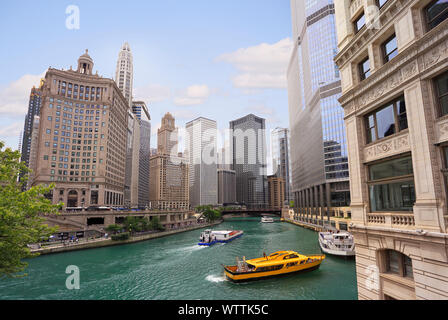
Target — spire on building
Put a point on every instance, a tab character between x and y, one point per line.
124	74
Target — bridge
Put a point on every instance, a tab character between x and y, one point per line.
252	211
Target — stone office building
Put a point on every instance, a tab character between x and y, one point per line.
393	61
82	137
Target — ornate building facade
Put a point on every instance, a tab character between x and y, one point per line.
81	143
168	186
393	61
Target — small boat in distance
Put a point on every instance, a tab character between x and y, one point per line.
277	263
209	237
265	219
339	244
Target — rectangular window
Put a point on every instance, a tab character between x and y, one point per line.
394	262
364	69
441	84
360	22
391	185
436	12
390	48
387	120
381	3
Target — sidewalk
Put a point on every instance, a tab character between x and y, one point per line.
105	242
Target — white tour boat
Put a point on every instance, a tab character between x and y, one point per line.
209	237
267	219
339	244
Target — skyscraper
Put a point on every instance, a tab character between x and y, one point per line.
168	186
249	160
144	154
281	158
33	110
319	165
81	144
131	190
201	143
124	74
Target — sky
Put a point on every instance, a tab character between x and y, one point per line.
218	59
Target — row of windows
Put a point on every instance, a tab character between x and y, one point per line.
392	117
435	13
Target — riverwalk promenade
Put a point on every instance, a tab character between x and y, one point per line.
106	242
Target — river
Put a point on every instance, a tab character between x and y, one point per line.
175	267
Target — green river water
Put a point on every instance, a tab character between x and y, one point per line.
175	267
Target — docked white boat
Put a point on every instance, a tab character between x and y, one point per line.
339	244
209	237
267	219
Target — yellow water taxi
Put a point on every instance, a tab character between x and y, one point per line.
277	263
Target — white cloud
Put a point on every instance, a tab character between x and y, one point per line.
193	95
185	115
152	93
14	98
263	66
266	112
12	130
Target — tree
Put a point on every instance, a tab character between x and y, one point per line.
113	228
291	204
209	213
155	224
20	220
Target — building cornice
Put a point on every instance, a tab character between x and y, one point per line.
416	61
358	42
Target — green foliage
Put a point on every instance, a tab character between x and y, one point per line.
141	224
120	236
113	228
209	213
291	204
20	223
155	224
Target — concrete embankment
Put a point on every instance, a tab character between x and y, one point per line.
306	225
99	243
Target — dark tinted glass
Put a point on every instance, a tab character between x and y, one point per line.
401	114
436	12
390	169
398	196
442	92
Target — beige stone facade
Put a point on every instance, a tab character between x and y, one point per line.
82	137
397	138
276	186
168	186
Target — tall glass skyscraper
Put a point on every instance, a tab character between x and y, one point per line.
201	143
319	162
249	160
280	151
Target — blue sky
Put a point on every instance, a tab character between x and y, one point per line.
217	59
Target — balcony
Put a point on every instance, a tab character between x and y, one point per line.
391	220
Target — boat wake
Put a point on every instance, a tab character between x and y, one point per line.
214	278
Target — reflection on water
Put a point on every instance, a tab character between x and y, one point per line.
175	267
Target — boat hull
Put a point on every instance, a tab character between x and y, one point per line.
208	244
341	253
338	252
259	275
